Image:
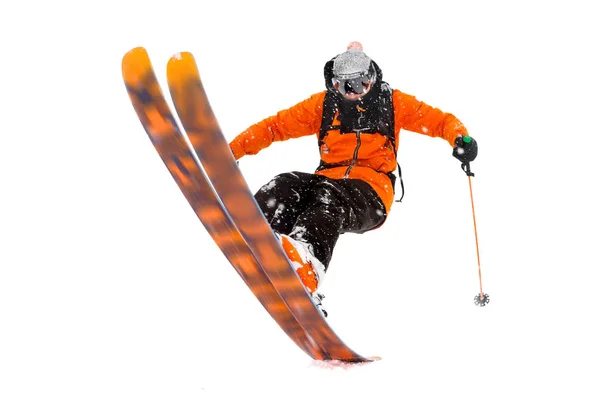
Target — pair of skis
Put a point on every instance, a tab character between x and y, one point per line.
208	176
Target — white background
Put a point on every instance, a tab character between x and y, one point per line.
111	288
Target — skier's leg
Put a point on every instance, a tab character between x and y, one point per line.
339	206
284	198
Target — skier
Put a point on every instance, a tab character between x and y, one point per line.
357	120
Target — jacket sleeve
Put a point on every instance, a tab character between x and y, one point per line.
416	116
302	119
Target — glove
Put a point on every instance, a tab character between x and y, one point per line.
465	149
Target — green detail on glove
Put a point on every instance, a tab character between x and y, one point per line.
466	139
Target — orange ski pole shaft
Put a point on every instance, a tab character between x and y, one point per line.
482	299
476	239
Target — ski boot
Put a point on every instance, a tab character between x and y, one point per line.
310	270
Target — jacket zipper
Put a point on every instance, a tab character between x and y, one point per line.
355	157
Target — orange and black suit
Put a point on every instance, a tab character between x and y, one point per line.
353	188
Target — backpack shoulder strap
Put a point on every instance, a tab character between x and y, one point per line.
387	125
330	107
390	130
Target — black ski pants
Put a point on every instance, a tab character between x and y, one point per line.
317	209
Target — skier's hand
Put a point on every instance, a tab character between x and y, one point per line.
465	149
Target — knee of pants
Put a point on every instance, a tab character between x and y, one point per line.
278	181
286	191
326	193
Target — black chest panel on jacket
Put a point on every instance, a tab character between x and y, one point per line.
375	116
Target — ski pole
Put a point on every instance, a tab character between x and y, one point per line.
481	299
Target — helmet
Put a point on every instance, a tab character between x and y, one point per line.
353	72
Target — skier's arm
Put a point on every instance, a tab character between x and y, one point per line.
416	116
300	120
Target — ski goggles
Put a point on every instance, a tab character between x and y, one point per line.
358	85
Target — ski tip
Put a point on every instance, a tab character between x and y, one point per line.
135	54
179	56
182	66
184	56
134	61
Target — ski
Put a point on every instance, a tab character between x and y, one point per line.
159	123
212	149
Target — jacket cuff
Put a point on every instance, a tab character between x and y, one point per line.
237	149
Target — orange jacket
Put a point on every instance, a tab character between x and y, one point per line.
375	156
